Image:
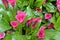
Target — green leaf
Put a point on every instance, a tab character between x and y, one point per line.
4	14
35	30
53	20
11	17
22	4
6	17
57	15
4	25
1	16
29	12
1	4
38	3
15	36
50	7
49	34
7	37
57	24
31	2
38	14
57	36
51	0
34	38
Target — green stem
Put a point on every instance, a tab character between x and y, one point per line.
20	30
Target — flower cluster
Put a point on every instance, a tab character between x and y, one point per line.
30	18
19	17
12	2
41	33
34	20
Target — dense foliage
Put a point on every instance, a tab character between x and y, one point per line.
29	19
